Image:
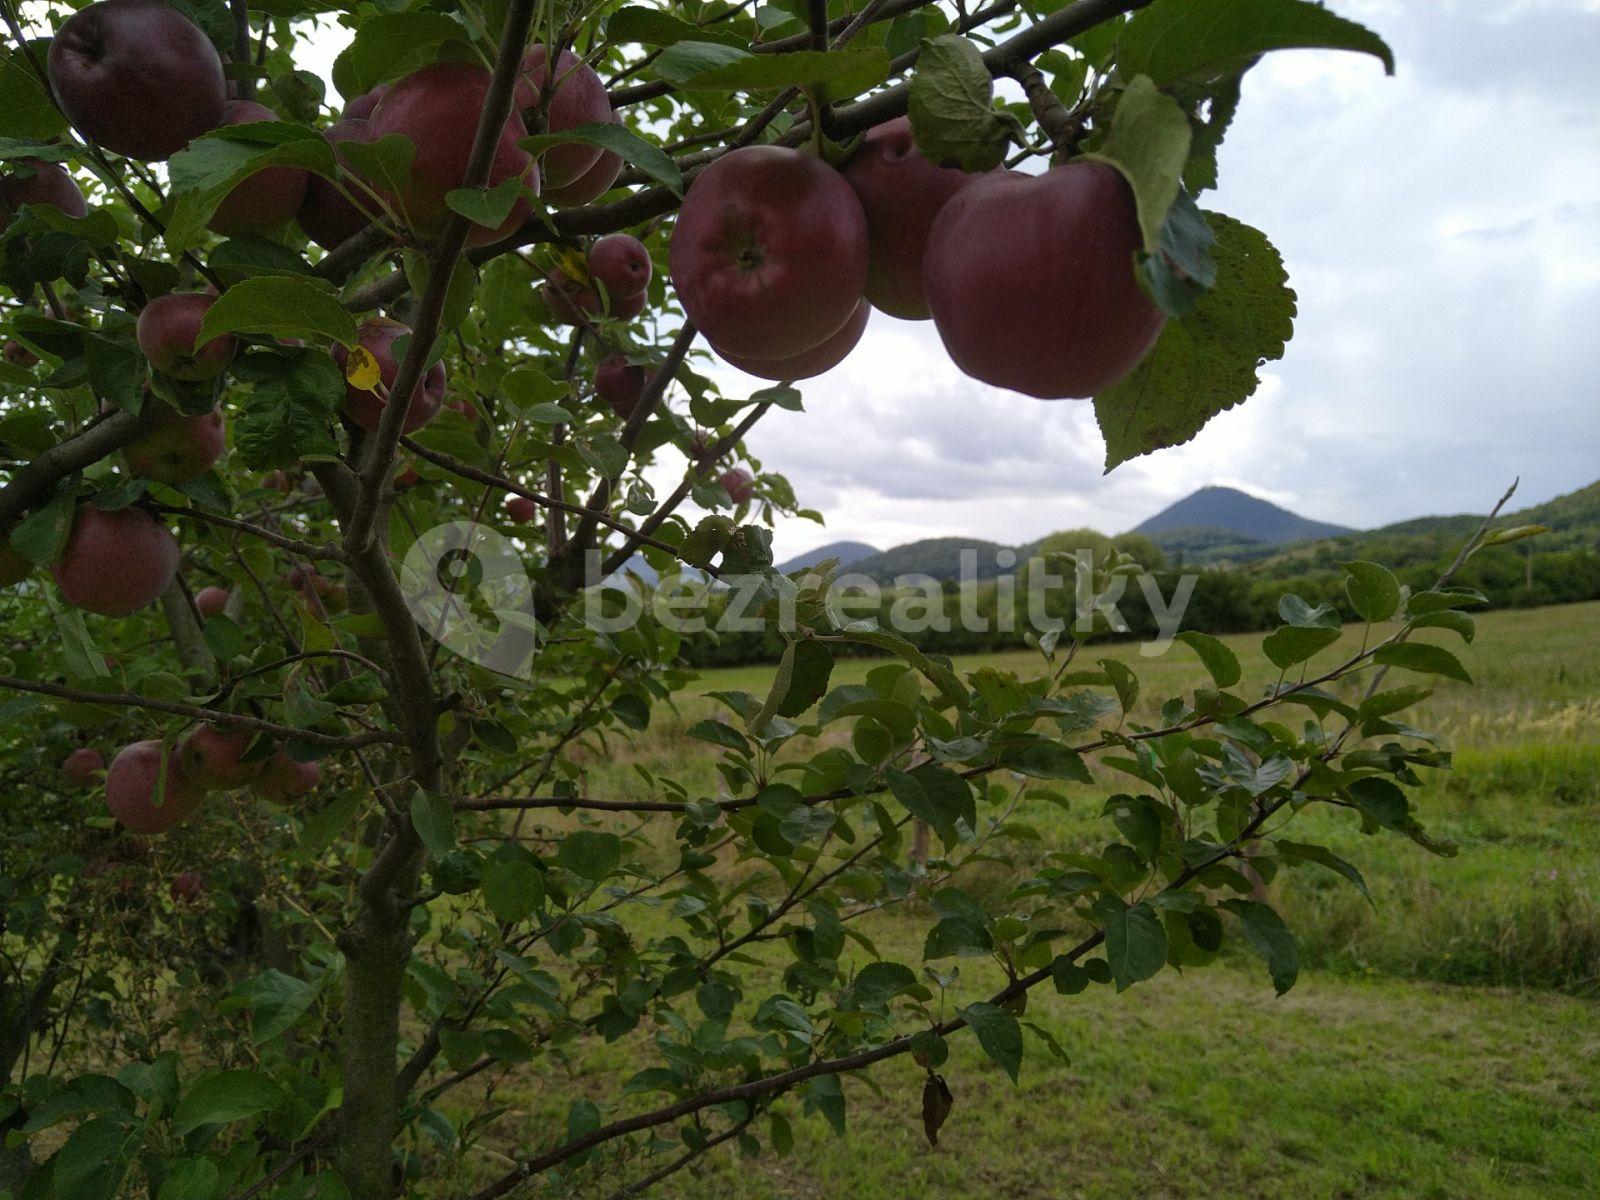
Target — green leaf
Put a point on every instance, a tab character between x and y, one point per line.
813	664
1218	660
1502	537
276	1002
513	884
1270	938
216	163
1201	39
487	206
280	307
951	107
1456	622
42	535
651	27
1136	942
1123	680
1207	362
1149	143
711	66
26	110
591	854
389	45
621	141
1044	759
1183	269
434	820
1373	590
293	400
1321	855
1423	658
998	1033
1292	644
225	1097
190	1179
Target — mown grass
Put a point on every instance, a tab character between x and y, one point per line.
1444	1041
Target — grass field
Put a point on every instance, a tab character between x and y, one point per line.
1445	1044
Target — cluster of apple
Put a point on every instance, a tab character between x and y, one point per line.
141	79
207	759
1030	280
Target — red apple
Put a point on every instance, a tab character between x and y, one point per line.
187	887
739	484
620	384
167	330
19	355
808	363
278	481
131	789
1031	281
210	756
578	97
466	408
13	567
115	562
901	192
178	446
377	336
210	601
83	765
438	109
327	217
49	184
406	478
520	509
573	303
137	76
283	779
769	255
620	263
361	107
591	185
266	201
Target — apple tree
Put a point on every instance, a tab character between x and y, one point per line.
309	858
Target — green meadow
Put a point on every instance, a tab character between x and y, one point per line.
1442	1041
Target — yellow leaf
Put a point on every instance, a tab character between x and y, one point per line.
361	369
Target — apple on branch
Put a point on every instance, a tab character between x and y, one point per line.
137	77
115	562
769	254
135	777
362	403
1032	285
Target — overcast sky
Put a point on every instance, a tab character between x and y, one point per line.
1442	230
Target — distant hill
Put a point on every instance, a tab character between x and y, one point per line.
1247	518
845	552
939	558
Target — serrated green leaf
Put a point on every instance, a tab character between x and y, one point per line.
1149	143
951	107
1219	661
1373	590
280	307
1207	362
1423	658
998	1033
1201	39
434	821
1270	938
226	1097
621	141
